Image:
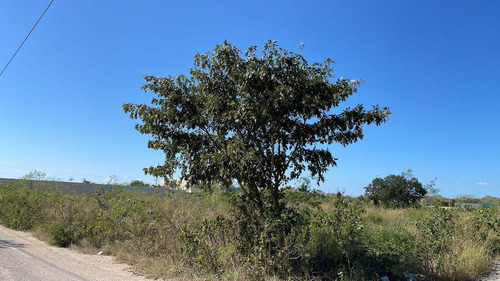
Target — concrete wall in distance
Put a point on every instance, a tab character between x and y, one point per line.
86	188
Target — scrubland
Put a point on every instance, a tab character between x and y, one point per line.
210	235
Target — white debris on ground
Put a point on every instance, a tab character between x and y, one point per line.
23	257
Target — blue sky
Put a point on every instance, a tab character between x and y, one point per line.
434	63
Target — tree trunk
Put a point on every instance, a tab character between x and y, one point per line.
277	214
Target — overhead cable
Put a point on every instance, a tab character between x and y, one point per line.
48	6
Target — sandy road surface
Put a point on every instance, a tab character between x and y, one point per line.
494	275
25	258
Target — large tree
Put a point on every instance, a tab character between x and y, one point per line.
258	121
397	190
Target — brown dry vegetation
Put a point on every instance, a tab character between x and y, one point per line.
198	237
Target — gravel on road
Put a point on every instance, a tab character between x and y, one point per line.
25	258
494	275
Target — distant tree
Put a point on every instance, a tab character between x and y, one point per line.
35	179
468	198
257	121
113	179
84	180
396	190
431	190
139	183
35	175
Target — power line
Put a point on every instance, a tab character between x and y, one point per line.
48	6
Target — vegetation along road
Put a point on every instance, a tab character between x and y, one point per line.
23	257
494	275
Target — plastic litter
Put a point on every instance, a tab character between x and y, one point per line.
411	277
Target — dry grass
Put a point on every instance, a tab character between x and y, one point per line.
146	233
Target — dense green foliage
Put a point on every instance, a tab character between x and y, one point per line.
269	111
254	121
204	236
138	183
396	190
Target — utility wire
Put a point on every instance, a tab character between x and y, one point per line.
48	6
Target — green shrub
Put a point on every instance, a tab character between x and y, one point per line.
391	250
333	245
435	238
20	207
214	236
207	245
62	235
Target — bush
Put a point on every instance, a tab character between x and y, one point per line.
213	235
62	235
391	251
435	234
396	190
21	208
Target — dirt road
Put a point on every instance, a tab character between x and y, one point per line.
494	275
25	258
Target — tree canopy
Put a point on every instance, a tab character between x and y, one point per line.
258	121
138	183
397	190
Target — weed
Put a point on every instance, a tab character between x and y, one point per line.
213	235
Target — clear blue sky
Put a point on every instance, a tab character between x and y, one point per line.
434	63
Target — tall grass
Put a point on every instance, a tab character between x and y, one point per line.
205	237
